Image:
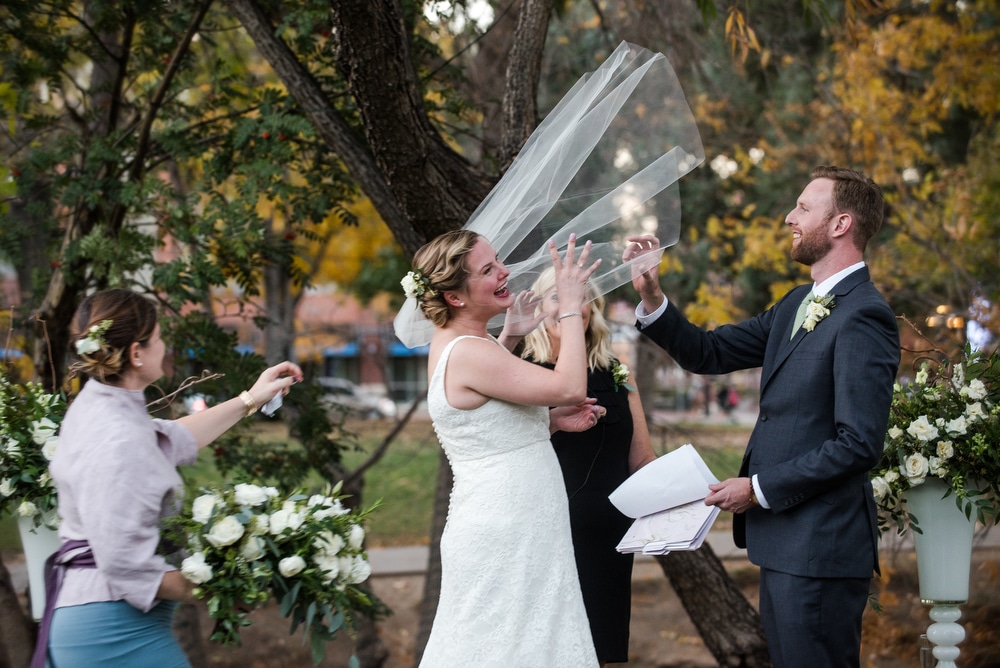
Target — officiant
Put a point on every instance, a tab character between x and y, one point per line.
594	462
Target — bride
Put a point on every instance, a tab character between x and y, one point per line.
510	595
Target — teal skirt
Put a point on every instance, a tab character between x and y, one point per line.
113	633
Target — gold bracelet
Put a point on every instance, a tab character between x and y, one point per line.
753	496
250	403
568	314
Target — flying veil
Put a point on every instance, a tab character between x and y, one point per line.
604	164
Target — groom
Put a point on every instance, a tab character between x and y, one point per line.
803	505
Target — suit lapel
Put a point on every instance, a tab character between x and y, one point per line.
779	346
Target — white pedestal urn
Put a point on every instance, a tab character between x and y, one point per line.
944	559
38	543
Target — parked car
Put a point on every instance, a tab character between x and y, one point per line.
342	392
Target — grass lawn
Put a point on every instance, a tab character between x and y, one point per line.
405	477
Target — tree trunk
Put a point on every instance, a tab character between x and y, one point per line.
17	629
729	625
187	630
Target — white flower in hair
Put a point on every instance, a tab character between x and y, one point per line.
94	340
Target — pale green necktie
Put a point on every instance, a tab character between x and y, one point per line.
800	315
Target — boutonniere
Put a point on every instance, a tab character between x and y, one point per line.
816	310
620	375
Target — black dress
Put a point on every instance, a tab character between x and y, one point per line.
594	463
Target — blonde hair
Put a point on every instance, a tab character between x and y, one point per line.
538	346
442	262
132	319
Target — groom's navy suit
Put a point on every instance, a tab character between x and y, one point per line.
824	407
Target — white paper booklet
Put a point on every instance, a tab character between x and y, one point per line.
667	498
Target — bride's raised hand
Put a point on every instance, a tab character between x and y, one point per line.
572	273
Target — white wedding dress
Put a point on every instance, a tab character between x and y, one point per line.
510	596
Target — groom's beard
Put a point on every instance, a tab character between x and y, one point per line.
813	246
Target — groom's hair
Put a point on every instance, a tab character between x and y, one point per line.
858	195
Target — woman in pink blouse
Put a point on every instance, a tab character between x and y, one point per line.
115	472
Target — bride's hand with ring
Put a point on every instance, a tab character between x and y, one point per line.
572	274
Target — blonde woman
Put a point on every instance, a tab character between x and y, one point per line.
594	463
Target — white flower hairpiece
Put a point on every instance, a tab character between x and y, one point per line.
416	285
817	309
94	340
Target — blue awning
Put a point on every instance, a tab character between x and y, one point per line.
346	350
10	354
397	349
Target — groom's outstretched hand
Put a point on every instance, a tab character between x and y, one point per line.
645	277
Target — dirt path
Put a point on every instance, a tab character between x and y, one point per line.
662	634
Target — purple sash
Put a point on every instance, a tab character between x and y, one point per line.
71	554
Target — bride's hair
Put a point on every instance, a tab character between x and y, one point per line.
442	263
538	346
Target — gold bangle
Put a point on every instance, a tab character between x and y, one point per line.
568	314
249	402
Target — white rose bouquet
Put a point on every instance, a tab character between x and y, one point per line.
30	419
945	424
247	543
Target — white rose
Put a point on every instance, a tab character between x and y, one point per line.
201	509
358	571
329	543
921	429
891	476
319	500
975	390
49	449
936	466
292	565
409	285
286	518
957	426
195	569
357	537
335	508
252	548
6	487
271	492
87	346
975	412
249	495
27	509
328	565
915	468
895	432
945	449
259	525
880	488
226	531
42	430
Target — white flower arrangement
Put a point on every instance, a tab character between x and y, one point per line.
248	543
94	340
416	285
947	426
30	419
817	309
